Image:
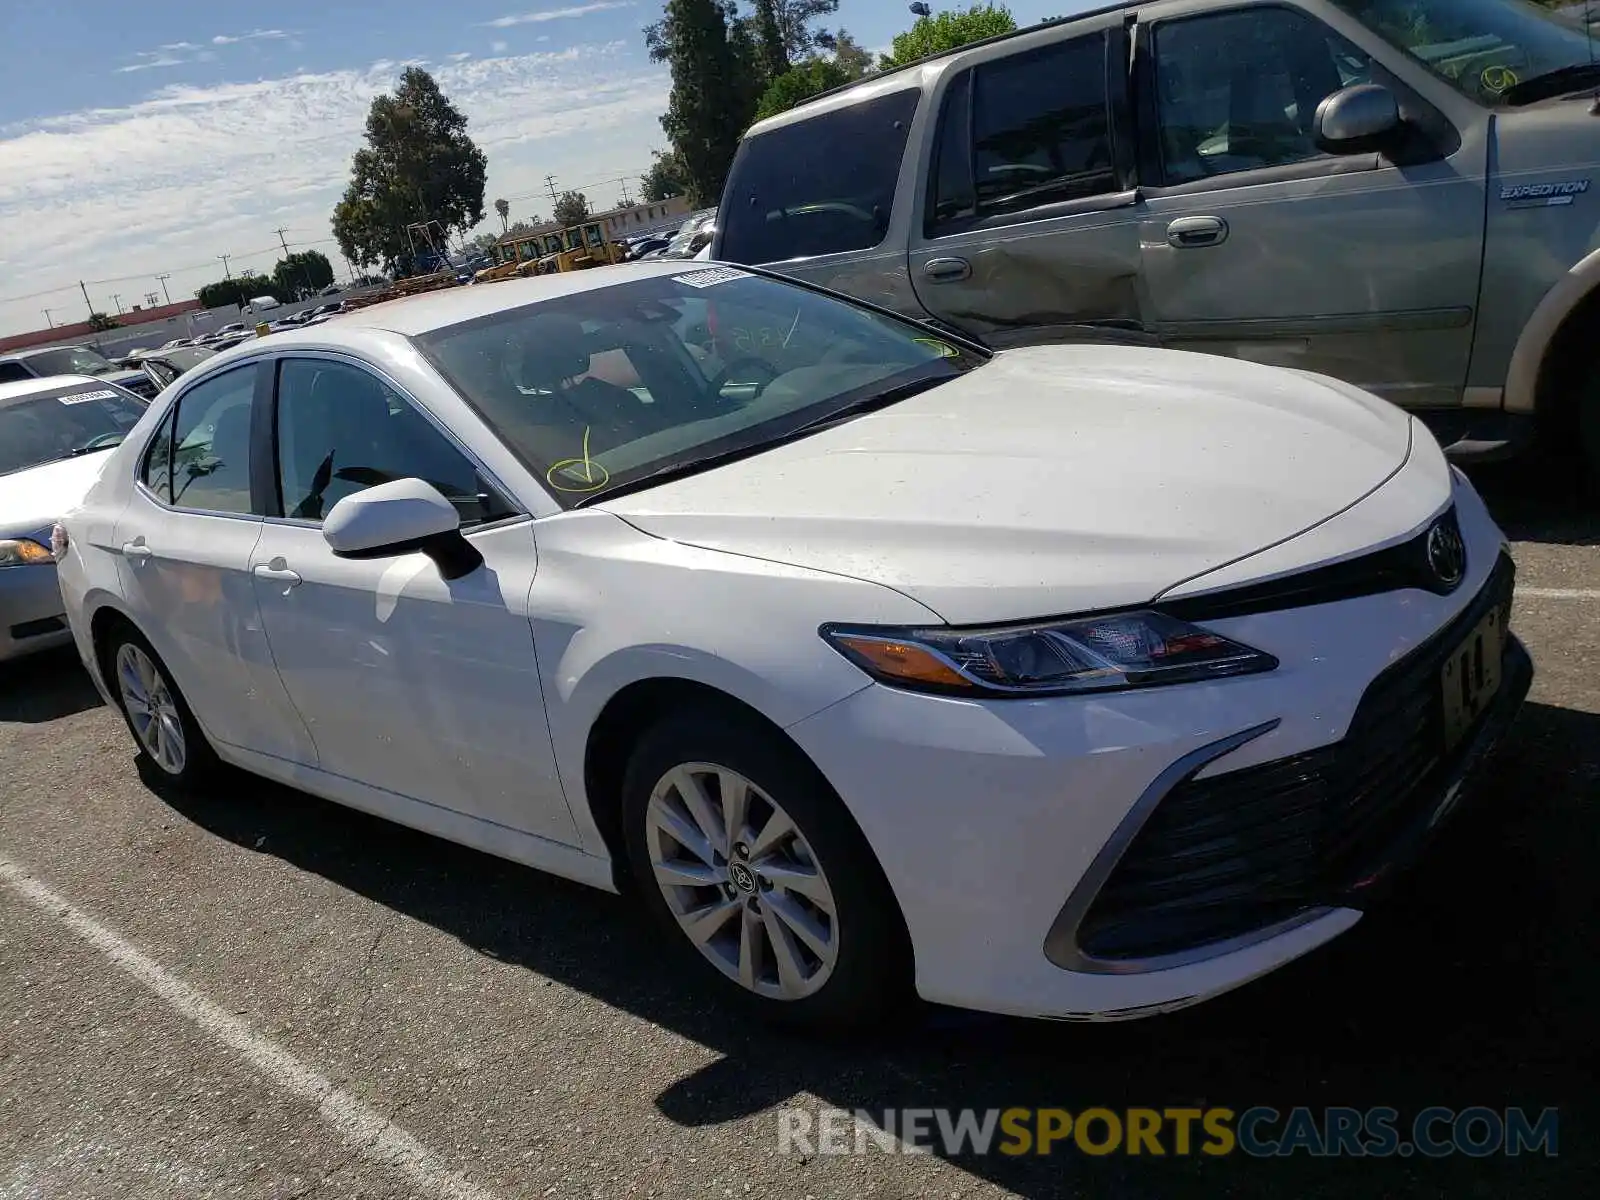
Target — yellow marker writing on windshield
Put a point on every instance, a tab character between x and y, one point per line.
595	476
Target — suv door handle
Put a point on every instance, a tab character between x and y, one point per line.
1192	233
947	270
278	572
136	552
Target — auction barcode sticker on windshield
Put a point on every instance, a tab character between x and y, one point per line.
85	397
711	277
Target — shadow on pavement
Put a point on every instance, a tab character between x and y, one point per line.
45	687
1476	985
1536	501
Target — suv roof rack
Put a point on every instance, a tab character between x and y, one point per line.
988	41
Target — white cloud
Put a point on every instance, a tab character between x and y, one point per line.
151	59
190	172
461	56
255	35
556	14
499	47
179	46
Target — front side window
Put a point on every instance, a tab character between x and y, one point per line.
1041	127
610	387
1510	51
1239	90
819	186
341	430
64	422
211	444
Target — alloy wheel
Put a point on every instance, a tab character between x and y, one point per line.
152	709
742	881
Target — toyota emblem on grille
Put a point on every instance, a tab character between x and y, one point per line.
1447	555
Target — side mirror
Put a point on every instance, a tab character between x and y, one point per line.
401	517
1357	120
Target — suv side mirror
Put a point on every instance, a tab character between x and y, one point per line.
1357	119
400	517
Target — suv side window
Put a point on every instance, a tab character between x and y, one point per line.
211	444
1239	90
1023	132
11	372
819	186
341	430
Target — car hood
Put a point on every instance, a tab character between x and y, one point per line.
1051	480
33	500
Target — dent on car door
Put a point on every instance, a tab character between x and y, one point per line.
1029	219
184	543
1260	244
409	682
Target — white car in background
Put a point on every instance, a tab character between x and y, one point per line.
1074	681
54	437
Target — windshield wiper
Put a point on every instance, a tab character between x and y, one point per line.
837	416
80	451
1552	83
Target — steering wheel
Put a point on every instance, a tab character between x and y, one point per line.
742	371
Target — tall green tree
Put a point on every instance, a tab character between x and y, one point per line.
418	165
302	271
664	178
853	58
948	30
769	39
796	86
571	209
711	101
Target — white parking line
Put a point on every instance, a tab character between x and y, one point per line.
1532	593
360	1126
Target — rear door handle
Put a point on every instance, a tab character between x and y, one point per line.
136	552
1192	233
278	572
947	270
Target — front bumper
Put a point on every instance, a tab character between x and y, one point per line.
32	615
991	819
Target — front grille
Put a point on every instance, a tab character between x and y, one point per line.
1237	852
30	629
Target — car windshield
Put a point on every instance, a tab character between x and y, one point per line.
70	360
622	384
63	422
1487	48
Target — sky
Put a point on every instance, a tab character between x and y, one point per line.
146	138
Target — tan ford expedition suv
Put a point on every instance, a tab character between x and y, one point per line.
1398	193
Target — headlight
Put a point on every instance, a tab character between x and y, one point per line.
1094	654
21	552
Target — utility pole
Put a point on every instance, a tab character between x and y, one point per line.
48	320
626	199
280	233
86	302
116	298
163	280
225	271
550	182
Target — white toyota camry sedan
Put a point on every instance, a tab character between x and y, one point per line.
1074	681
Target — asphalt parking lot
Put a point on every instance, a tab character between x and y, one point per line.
259	994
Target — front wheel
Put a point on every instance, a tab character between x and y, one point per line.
752	863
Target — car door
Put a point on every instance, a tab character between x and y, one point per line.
1259	245
1029	213
410	683
185	541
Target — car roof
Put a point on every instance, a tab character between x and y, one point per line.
412	315
19	355
21	389
902	77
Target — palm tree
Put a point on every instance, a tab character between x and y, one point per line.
503	207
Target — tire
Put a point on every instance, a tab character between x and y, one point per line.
172	748
770	887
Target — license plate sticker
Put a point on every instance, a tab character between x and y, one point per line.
1471	676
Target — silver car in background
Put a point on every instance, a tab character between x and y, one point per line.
52	434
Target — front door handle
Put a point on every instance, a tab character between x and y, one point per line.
1192	233
278	572
136	552
947	270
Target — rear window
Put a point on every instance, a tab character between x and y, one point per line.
818	186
